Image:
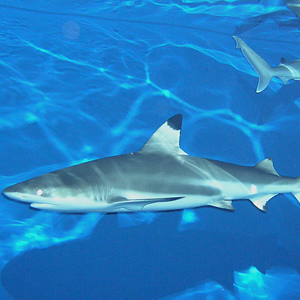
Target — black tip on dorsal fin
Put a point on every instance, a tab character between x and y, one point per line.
175	122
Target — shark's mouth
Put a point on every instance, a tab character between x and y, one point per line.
27	197
71	205
68	207
46	206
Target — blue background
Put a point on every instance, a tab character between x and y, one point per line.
82	80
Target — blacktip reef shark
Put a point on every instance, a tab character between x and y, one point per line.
159	177
285	70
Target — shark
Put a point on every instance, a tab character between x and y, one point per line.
285	70
158	177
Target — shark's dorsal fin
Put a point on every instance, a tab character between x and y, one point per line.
165	139
267	166
283	61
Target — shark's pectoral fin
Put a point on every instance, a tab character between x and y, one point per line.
137	204
261	201
225	204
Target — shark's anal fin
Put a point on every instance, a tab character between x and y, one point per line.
225	204
137	204
267	166
261	201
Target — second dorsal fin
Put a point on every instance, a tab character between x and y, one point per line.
267	166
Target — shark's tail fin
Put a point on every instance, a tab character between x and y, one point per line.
262	68
297	194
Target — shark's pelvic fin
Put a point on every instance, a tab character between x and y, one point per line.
165	139
262	68
267	166
226	204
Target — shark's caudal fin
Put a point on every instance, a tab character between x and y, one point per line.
262	68
297	195
165	139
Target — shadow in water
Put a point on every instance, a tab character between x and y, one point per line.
140	262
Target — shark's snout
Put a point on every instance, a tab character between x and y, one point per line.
14	195
13	192
16	188
8	190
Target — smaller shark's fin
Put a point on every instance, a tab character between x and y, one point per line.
166	138
225	204
262	68
284	79
267	166
261	201
264	80
283	61
138	204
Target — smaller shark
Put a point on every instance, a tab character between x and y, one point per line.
285	70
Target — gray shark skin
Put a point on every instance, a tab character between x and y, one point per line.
294	5
159	177
285	70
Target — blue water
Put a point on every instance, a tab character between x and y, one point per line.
87	79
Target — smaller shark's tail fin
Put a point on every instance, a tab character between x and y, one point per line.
262	68
264	79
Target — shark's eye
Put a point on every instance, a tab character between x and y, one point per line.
39	192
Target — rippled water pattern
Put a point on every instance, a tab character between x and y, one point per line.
88	79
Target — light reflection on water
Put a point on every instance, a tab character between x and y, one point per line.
84	82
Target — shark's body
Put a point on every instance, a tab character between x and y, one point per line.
158	177
294	5
285	70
